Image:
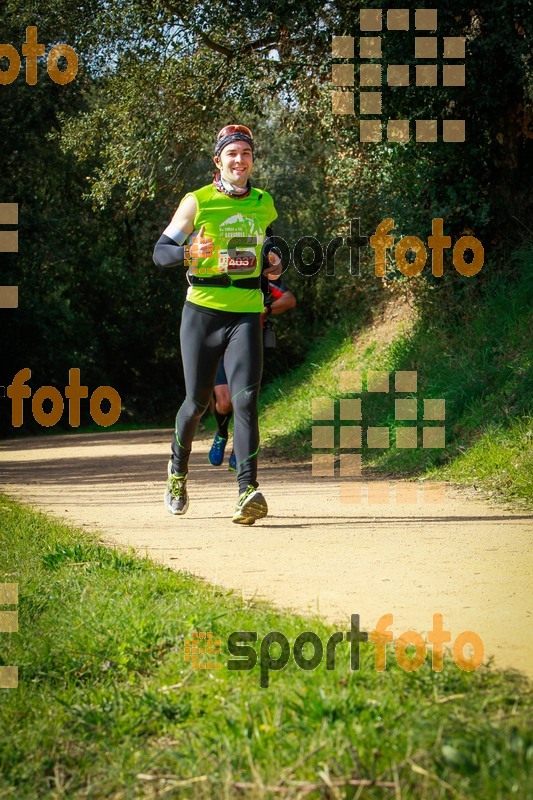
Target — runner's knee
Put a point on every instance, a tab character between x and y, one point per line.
224	407
245	401
194	408
223	399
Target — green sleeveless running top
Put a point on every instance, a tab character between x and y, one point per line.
226	218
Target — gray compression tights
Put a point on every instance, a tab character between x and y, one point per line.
206	336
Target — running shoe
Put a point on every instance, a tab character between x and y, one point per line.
176	498
232	462
251	505
216	454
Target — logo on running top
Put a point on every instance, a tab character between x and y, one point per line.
240	232
236	248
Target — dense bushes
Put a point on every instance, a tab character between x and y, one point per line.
98	166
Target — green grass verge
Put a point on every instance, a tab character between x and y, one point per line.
473	351
107	706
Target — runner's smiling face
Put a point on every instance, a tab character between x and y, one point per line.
235	162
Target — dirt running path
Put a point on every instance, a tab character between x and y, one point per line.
461	557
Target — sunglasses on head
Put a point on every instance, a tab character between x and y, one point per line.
229	129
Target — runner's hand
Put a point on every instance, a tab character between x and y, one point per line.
202	246
274	270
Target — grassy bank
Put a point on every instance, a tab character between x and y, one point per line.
471	348
107	706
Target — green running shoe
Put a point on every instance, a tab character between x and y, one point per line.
251	505
176	498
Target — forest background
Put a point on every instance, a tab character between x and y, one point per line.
99	165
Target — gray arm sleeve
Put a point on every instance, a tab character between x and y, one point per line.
167	253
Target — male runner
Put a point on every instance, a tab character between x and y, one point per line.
278	299
221	315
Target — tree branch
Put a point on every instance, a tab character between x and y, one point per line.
218	48
230	52
259	44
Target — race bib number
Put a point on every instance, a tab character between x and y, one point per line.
238	263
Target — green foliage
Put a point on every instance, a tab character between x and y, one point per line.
99	166
470	344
